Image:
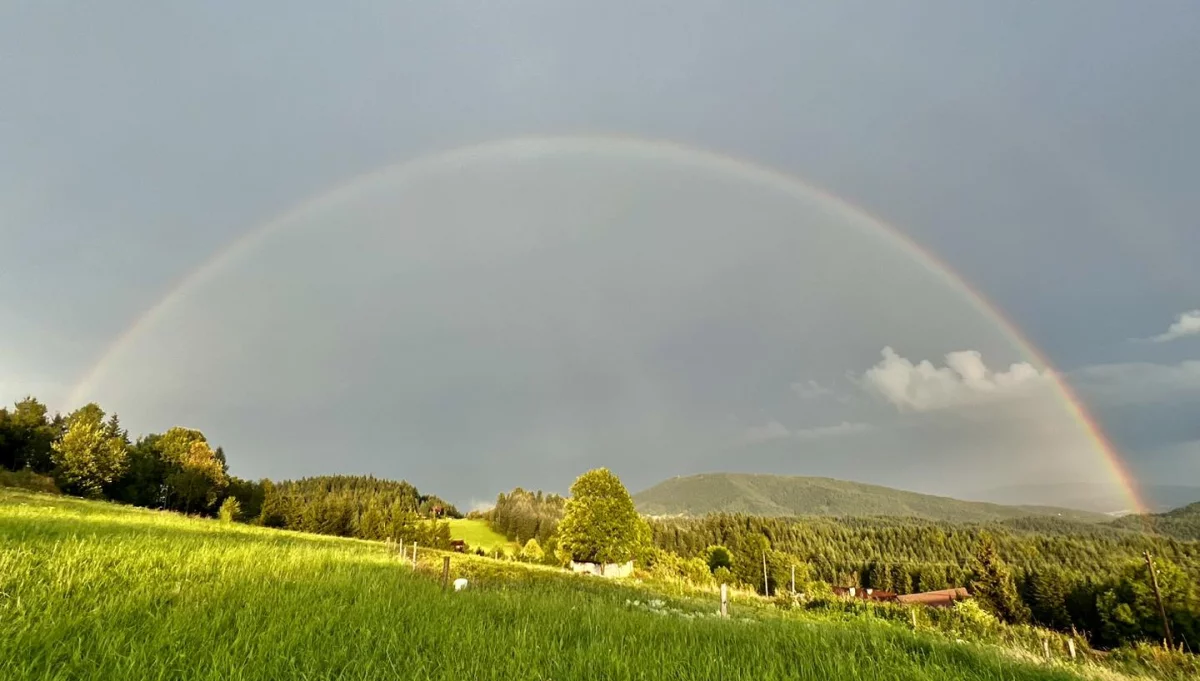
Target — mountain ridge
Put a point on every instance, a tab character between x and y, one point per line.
789	495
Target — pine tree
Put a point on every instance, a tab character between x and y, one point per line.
992	584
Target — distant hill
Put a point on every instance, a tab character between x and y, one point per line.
1181	523
1157	497
779	495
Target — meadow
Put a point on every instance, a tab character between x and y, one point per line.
478	535
91	590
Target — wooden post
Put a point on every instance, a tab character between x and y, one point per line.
1161	610
414	555
724	600
793	578
766	584
1046	647
445	572
914	617
1071	647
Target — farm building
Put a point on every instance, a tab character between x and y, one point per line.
944	598
864	594
603	570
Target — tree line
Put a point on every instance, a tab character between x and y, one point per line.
88	453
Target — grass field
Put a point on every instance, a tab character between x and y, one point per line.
478	535
98	591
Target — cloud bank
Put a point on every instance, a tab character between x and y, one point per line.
965	379
1186	324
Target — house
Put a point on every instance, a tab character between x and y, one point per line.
864	594
603	570
944	598
458	545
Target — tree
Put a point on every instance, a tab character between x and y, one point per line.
1046	593
600	523
992	584
27	435
197	478
1129	611
718	557
91	454
231	510
532	552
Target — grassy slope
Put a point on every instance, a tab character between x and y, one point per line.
780	495
478	535
96	591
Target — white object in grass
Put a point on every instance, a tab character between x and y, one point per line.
460	584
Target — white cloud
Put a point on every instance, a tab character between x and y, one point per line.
843	428
810	390
1186	324
965	379
772	431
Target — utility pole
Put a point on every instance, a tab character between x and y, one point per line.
1158	596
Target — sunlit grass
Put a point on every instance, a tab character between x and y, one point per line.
478	535
96	591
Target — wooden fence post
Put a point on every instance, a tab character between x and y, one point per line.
1046	648
766	585
1071	647
414	555
724	600
793	578
445	572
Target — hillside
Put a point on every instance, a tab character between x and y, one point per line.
1181	523
779	495
95	591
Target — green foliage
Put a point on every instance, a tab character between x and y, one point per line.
600	523
1129	611
993	586
975	618
28	480
91	454
782	495
521	514
718	557
1046	590
231	510
26	434
532	552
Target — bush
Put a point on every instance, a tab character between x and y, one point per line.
28	480
532	552
972	619
231	510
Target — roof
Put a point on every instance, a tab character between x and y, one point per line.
940	598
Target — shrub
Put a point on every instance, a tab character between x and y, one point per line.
532	552
28	480
231	510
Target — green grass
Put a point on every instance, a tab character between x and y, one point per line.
478	535
98	591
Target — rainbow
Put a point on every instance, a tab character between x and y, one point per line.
627	147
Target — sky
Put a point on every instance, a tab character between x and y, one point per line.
479	245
